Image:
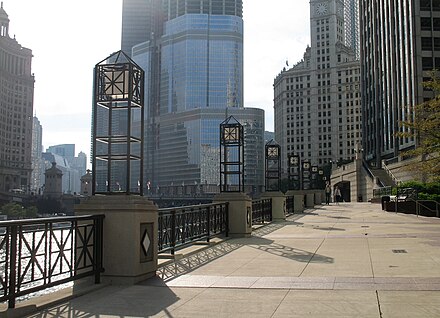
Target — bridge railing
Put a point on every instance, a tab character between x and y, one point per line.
290	205
181	226
261	211
37	254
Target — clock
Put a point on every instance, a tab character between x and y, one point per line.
321	8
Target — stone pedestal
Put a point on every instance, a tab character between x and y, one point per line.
130	236
278	205
309	198
298	200
318	197
240	213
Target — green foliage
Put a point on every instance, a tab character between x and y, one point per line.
31	212
424	125
13	210
426	196
17	211
426	191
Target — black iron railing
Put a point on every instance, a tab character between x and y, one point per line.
37	254
290	205
261	211
183	225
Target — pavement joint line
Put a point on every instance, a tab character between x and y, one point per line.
378	304
369	255
312	257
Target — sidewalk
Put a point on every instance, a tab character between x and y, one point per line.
347	260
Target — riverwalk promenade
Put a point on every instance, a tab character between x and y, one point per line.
347	260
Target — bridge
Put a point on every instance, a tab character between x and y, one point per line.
346	260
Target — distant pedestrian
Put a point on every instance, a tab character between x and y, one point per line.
337	194
328	192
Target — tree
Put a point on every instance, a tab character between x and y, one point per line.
13	210
425	128
31	212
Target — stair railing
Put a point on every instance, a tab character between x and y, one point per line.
388	171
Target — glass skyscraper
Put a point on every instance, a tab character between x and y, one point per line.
193	62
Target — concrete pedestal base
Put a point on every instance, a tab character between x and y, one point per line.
240	213
298	200
129	256
278	205
318	197
310	198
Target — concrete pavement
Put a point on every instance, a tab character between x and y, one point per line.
347	260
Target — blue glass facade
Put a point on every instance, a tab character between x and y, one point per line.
193	82
202	63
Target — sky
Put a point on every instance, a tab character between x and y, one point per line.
68	38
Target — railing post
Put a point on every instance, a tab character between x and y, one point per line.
13	267
227	218
208	222
98	240
173	231
436	209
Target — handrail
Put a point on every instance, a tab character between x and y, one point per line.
261	211
184	225
39	253
419	204
388	171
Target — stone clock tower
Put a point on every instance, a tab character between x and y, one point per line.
327	25
317	101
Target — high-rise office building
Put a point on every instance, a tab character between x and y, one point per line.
352	25
193	61
65	150
16	110
317	101
137	22
38	167
400	45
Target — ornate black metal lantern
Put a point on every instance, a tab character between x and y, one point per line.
231	156
294	172
314	177
118	125
320	179
273	166
306	175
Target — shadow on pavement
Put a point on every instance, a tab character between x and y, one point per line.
295	254
194	261
116	301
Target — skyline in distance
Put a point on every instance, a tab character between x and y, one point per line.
67	39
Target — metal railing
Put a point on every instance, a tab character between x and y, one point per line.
36	254
290	205
377	193
421	205
388	171
261	211
184	225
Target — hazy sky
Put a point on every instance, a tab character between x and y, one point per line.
68	38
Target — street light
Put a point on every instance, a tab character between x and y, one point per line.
273	166
231	156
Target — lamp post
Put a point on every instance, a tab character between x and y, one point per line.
294	172
273	166
118	125
231	156
232	178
